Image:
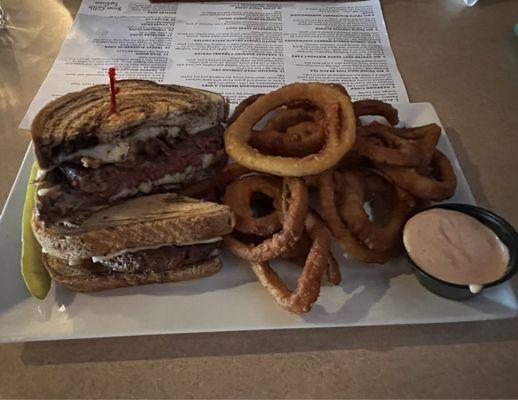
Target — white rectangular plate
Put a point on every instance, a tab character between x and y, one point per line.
232	299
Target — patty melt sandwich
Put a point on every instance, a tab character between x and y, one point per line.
106	213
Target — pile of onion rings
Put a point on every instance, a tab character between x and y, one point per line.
400	165
302	298
289	230
368	180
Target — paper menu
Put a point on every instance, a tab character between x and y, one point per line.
234	48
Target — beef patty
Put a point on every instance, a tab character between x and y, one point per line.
161	259
164	258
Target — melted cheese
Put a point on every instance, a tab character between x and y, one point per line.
116	152
41	174
135	249
149	132
42	192
207	159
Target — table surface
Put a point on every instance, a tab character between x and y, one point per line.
464	60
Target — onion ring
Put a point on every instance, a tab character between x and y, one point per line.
294	210
302	298
352	197
299	254
333	274
300	140
230	173
348	242
353	160
238	196
439	186
426	137
339	124
241	107
291	132
378	143
376	107
284	118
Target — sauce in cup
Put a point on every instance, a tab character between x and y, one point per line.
456	248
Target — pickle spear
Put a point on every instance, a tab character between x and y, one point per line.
34	274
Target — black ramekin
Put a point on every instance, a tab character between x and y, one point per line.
505	232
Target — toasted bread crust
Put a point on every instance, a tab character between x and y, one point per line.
92	282
149	221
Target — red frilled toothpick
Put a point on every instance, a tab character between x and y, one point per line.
113	89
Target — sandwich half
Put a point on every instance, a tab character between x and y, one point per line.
106	214
151	239
161	138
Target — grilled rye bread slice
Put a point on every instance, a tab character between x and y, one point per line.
82	121
141	222
80	278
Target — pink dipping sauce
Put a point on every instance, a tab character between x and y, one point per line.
455	247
